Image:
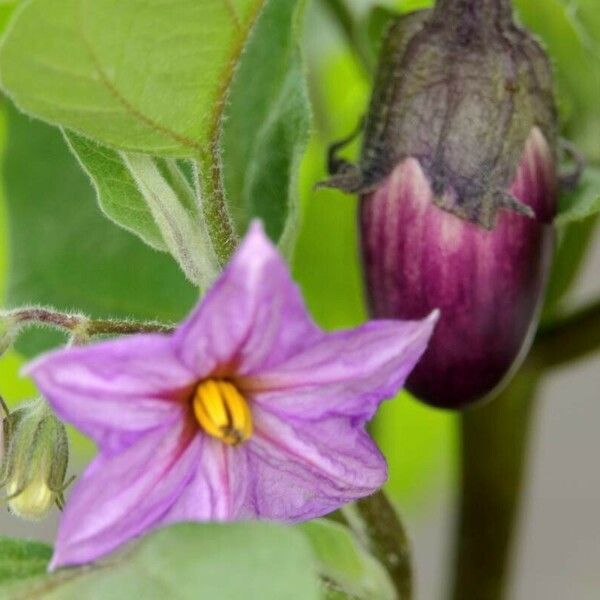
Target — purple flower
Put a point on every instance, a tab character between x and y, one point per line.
247	410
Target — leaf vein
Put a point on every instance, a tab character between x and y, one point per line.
127	105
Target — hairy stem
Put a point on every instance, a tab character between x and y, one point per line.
570	338
494	442
80	324
388	540
214	211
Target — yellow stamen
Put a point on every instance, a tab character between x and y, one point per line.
222	411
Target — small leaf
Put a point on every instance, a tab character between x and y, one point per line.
20	559
569	260
584	202
578	216
182	230
265	129
346	569
254	561
118	194
151	198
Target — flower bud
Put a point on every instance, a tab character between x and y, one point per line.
35	462
458	190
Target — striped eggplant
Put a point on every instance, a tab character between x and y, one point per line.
458	190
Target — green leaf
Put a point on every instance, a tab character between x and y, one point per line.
587	19
7	8
266	126
20	559
584	202
118	194
183	232
63	252
152	198
190	79
346	569
141	75
575	53
575	240
408	6
325	258
376	24
578	217
254	561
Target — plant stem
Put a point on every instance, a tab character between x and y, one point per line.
494	440
213	209
494	446
80	324
388	540
570	338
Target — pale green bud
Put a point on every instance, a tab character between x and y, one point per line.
35	462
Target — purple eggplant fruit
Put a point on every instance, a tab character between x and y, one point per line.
458	189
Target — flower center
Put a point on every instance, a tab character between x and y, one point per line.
222	411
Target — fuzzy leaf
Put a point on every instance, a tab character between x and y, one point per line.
254	561
142	75
346	570
118	194
584	202
266	125
219	82
152	198
63	252
181	229
20	559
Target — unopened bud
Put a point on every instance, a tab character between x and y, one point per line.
458	190
36	460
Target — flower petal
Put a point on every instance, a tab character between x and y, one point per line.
121	496
252	318
113	389
302	471
218	487
345	373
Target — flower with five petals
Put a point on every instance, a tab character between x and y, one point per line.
247	410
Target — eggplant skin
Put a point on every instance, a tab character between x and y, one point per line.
488	284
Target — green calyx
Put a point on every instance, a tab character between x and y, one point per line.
35	460
460	88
